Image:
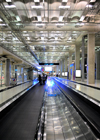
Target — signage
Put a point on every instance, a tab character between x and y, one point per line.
48	63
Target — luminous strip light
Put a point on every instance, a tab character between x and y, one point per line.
59	24
82	18
3	24
40	24
64	0
18	18
60	18
89	6
8	0
64	7
0	19
10	6
37	7
80	24
92	0
36	0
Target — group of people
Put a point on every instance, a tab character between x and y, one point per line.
42	79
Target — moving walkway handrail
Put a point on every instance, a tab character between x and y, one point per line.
40	127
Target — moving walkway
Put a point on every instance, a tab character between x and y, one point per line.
60	120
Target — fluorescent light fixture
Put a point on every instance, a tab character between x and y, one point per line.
8	0
15	38
56	38
64	0
28	38
59	24
18	24
37	7
10	6
39	18
92	0
42	38
70	38
3	24
80	24
60	18
0	19
18	19
24	31
36	0
40	24
82	18
89	6
64	7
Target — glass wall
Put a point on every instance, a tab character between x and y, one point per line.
25	75
2	73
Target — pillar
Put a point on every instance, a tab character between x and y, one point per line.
77	59
16	72
7	82
22	72
65	63
61	69
82	62
57	69
91	59
98	65
30	73
70	62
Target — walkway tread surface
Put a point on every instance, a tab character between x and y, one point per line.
21	122
89	111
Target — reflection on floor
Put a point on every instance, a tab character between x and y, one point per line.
89	91
97	82
3	86
61	119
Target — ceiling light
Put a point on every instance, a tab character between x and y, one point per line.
89	6
18	24
0	19
28	38
37	7
92	0
64	7
82	18
64	0
59	24
39	18
60	18
24	31
80	24
36	0
3	24
42	38
8	0
18	19
10	6
70	38
39	24
56	38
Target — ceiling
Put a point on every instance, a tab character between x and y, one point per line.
46	30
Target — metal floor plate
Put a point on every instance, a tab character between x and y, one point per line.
62	121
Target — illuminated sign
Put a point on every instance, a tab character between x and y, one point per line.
48	63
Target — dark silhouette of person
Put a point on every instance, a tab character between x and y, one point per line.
40	79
